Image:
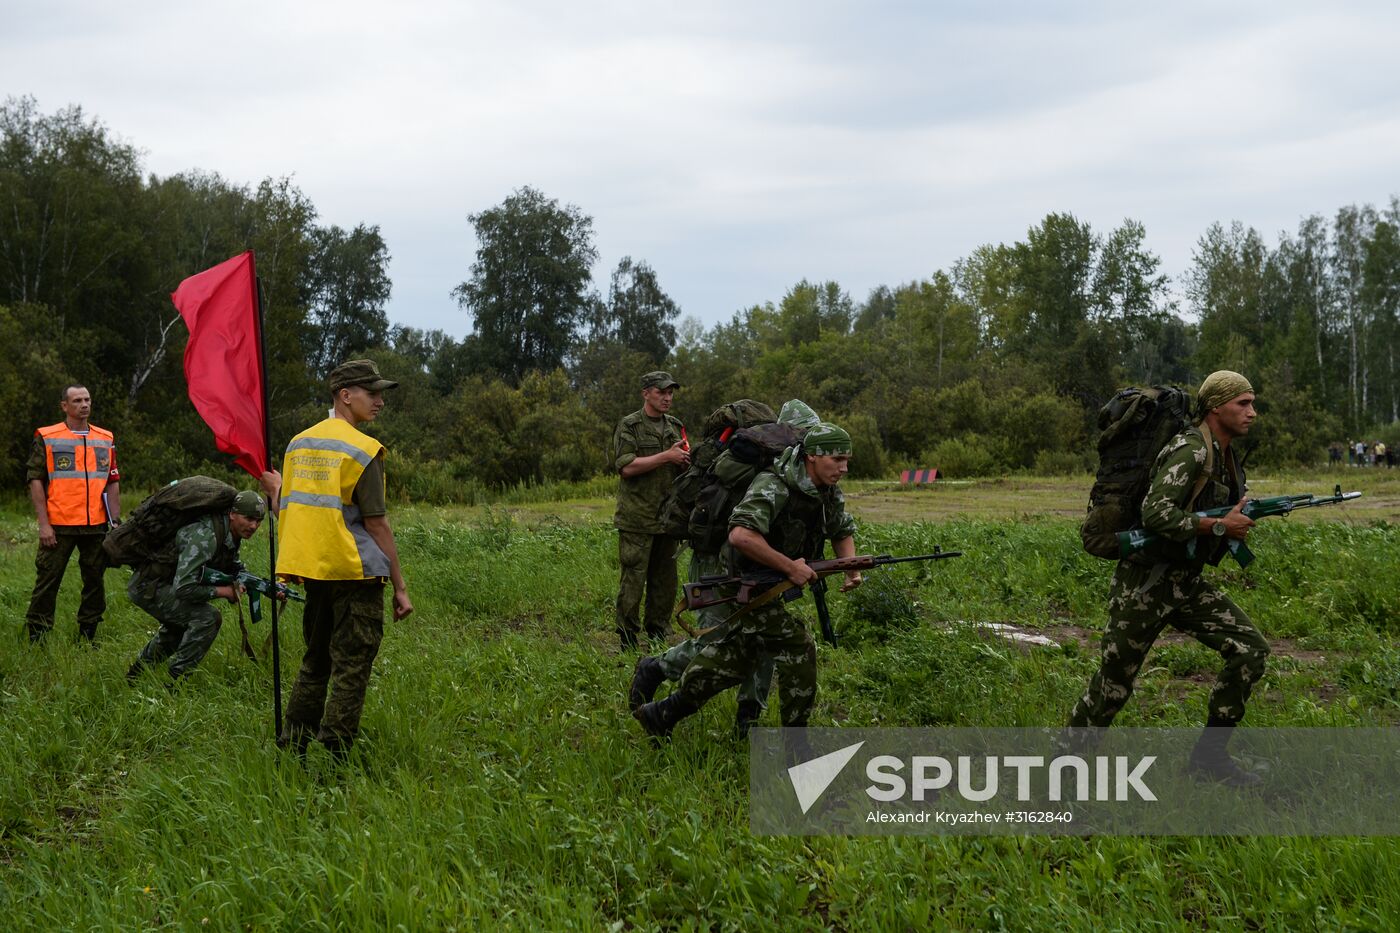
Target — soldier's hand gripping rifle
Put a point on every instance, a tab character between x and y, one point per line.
1131	542
754	589
256	587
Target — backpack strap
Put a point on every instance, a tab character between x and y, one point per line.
1206	471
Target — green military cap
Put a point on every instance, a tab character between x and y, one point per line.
249	504
659	380
826	440
359	373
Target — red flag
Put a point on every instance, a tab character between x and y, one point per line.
223	365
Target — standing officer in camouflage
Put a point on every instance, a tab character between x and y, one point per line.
169	587
784	520
337	540
1163	586
649	451
74	485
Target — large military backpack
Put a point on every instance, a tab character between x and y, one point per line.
1134	427
715	434
749	451
147	533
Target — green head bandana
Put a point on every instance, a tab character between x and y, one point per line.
249	504
826	440
1220	387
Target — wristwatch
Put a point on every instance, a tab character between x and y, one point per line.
1218	529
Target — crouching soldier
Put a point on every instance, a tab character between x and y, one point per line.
169	587
784	520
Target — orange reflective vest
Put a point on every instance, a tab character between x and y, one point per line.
79	468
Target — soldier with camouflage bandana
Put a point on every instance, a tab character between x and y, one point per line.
1163	586
169	587
649	452
652	672
783	521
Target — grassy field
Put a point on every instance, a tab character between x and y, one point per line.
501	782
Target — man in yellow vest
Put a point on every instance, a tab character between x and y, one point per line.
335	538
73	483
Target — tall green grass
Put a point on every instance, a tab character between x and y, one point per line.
500	781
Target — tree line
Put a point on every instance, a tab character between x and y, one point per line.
996	363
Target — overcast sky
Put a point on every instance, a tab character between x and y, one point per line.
741	147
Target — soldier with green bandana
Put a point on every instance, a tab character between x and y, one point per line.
784	520
649	451
652	672
169	587
1163	585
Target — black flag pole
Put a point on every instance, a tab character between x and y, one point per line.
271	524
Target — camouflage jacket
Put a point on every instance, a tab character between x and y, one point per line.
1166	510
196	546
793	514
639	498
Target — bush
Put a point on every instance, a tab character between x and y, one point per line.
970	455
868	454
1059	463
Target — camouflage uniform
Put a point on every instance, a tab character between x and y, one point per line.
753	691
646	557
178	600
796	518
1163	586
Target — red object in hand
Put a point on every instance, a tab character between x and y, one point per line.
685	440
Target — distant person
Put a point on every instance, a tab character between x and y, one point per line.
1334	454
1382	453
74	485
170	588
336	539
1163	585
649	452
1360	453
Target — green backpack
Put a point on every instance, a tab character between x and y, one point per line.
1134	427
749	451
715	435
146	535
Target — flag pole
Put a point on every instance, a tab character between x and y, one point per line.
271	519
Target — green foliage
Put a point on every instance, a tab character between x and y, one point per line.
529	288
500	782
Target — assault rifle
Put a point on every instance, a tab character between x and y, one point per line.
753	589
1131	542
256	587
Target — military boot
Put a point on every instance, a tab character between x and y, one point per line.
659	718
134	671
1211	762
647	676
745	717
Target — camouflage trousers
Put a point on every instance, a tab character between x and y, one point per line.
647	562
343	624
1145	600
187	627
754	688
49	566
735	655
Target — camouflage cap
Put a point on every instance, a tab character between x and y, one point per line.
826	440
249	504
359	373
659	380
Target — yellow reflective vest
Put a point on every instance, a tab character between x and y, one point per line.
323	536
